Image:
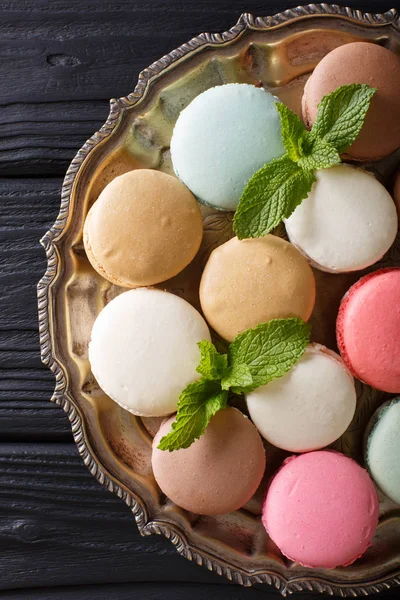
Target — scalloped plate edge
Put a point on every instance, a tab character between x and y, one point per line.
61	396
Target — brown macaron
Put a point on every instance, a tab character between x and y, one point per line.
361	62
144	228
219	472
248	282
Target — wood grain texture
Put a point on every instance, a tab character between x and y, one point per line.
58	526
27	209
60	62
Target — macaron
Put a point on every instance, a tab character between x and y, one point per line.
308	408
321	509
347	222
143	350
222	138
248	282
144	228
361	62
368	329
219	472
383	449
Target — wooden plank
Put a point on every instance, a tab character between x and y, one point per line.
81	56
27	209
59	526
158	591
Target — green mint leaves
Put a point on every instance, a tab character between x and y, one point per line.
269	350
273	193
341	115
254	358
212	364
198	402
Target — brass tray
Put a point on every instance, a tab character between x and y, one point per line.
278	52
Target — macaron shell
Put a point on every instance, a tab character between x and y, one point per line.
309	407
321	510
249	282
219	472
383	450
361	62
143	350
347	222
368	329
144	228
222	138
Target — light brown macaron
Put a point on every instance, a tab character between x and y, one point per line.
144	228
361	62
252	281
219	472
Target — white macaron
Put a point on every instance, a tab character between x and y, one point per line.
308	408
347	222
144	352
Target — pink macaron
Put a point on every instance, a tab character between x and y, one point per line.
321	509
368	329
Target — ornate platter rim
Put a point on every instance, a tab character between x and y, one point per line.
62	396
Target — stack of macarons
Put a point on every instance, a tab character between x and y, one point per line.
321	508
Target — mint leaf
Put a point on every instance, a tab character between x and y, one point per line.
293	132
198	402
212	364
341	115
237	376
319	155
271	195
270	349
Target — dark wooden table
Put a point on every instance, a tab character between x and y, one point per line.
62	536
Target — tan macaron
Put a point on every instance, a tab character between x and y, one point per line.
144	228
361	62
219	472
251	281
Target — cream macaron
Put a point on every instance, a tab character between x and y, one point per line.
143	350
308	408
248	282
219	472
347	222
144	228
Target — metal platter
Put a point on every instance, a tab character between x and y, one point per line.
277	52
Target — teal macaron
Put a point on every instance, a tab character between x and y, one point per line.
382	449
222	138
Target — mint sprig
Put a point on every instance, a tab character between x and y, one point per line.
254	358
275	190
198	402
